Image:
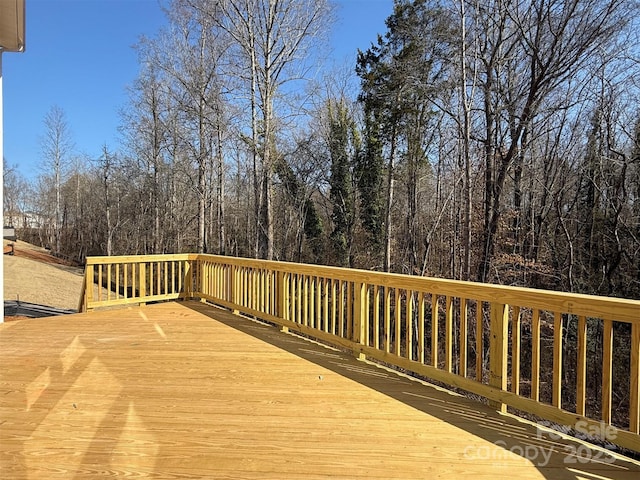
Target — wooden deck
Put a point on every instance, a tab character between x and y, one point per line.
185	390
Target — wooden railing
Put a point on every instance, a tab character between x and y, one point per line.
111	281
567	358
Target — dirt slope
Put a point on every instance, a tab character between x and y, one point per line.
33	275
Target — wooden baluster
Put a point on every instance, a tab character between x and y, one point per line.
281	295
581	373
318	304
325	305
149	278
334	306
241	288
268	291
253	297
367	324
173	277
289	286
125	280
434	330
515	351
387	319
341	308
109	283
463	337
479	340
299	287
607	369
535	355
556	390
117	292
305	300
313	292
448	334
397	319
349	312
166	278
376	317
409	325
421	332
181	280
236	291
100	282
262	290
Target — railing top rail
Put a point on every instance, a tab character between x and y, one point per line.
98	260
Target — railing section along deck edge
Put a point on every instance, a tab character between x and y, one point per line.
506	344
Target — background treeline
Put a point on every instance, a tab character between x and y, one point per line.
493	141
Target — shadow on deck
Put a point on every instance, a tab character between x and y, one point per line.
556	456
165	392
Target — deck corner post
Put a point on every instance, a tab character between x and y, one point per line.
359	318
86	295
498	350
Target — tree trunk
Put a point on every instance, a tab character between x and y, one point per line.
387	233
222	240
466	154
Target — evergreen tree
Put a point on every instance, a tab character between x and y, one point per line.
342	193
369	174
401	77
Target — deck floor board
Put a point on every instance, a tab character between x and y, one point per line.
185	390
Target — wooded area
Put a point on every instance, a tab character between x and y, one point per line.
493	141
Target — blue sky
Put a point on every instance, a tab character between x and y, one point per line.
79	56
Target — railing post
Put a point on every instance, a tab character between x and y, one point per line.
88	287
498	350
359	317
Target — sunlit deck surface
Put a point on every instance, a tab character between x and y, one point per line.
185	390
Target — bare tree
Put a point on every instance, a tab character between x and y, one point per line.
145	135
273	37
199	46
56	146
468	74
527	52
14	189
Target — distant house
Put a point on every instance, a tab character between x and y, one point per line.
24	219
32	220
9	233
